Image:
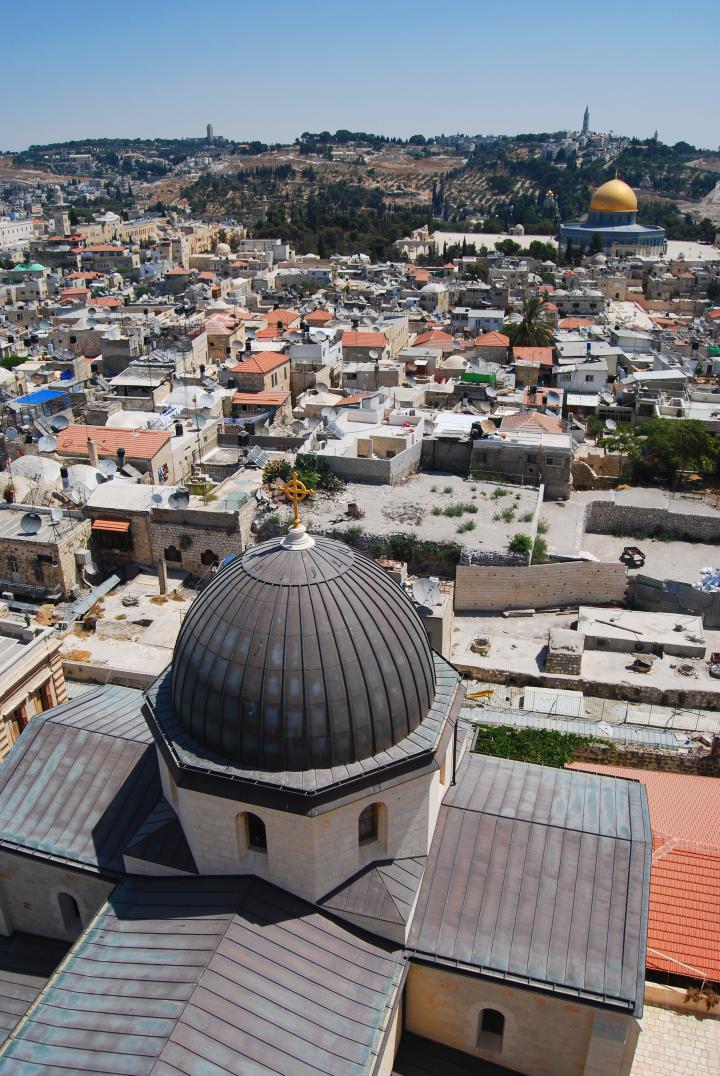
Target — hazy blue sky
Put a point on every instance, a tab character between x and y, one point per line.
272	69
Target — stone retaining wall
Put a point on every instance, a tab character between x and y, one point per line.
606	517
539	586
665	760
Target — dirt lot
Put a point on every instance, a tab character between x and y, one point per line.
409	508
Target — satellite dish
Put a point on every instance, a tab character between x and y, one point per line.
610	424
206	400
56	515
47	444
490	392
107	468
179	499
374	354
10	433
487	426
426	592
31	523
157	498
59	423
78	494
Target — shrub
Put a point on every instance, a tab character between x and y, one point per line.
436	511
315	469
507	515
539	553
520	543
376	549
543	526
447	489
527	517
468	525
546	747
276	469
499	492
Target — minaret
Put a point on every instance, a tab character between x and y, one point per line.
586	121
210	133
60	215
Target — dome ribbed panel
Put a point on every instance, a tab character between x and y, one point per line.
301	659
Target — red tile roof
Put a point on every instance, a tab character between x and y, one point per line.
272	399
543	355
261	363
269	333
684	919
107	301
493	339
287	317
574	323
437	336
532	420
360	339
318	317
138	444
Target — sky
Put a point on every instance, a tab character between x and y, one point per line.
271	70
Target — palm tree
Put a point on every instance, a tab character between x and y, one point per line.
534	327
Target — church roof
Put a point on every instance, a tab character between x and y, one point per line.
298	658
382	891
538	879
211	975
304	791
80	781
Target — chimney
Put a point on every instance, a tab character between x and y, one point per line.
93	457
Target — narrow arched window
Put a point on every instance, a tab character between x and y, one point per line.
69	911
368	824
257	837
208	558
491	1028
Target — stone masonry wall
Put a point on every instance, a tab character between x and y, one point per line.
604	517
540	586
666	760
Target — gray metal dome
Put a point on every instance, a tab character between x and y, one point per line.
300	657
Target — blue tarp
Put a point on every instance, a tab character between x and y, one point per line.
37	399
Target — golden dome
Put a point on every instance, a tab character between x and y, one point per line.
614	197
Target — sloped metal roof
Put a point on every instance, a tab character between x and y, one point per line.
212	975
80	781
540	880
384	891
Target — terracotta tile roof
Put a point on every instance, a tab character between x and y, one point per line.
361	339
713	314
547	289
493	339
684	920
106	301
437	336
138	444
532	420
179	271
287	317
272	399
575	323
543	355
269	333
74	293
261	363
684	917
318	317
207	275
355	398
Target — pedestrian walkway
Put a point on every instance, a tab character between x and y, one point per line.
677	1044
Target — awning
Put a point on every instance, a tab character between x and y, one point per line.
117	526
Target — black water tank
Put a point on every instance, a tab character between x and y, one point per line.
179	429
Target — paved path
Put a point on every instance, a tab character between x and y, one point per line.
677	1044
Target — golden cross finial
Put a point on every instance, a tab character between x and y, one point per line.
296	491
